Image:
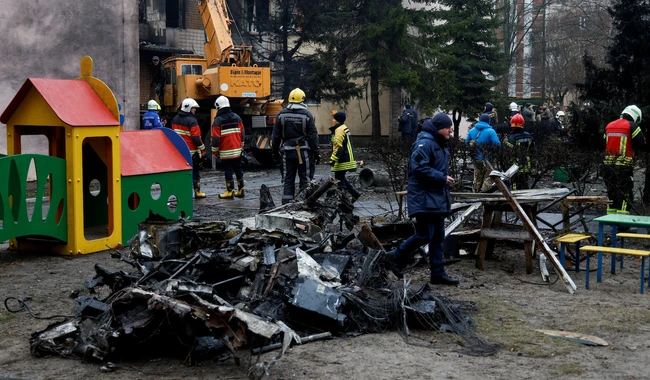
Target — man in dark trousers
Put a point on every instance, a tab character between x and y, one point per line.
405	123
157	78
227	143
623	138
429	198
295	142
342	158
187	126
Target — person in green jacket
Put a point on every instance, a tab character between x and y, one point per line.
342	158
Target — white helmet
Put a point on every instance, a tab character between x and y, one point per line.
188	104
559	113
514	107
221	102
634	112
153	105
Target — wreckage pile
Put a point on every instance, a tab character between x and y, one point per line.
204	290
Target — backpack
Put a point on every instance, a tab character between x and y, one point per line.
472	143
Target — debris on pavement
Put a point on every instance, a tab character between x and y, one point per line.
207	290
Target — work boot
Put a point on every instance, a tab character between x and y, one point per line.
240	192
197	191
394	266
229	193
444	280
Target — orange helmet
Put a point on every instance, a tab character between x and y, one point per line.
517	121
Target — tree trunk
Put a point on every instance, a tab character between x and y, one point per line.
456	116
374	103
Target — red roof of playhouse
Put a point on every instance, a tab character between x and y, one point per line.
73	101
149	152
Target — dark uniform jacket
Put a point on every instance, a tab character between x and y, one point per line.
428	192
521	141
294	126
187	126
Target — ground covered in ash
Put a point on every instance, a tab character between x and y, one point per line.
510	306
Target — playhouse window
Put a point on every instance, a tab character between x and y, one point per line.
191	69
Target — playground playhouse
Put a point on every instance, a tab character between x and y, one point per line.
96	183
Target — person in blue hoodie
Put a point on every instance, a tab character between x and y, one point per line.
429	198
481	140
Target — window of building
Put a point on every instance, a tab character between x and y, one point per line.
191	69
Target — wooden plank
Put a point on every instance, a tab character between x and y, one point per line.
574	238
629	235
589	340
503	234
568	282
461	219
595	199
482	244
616	251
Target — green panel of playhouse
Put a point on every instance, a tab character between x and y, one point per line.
178	184
16	221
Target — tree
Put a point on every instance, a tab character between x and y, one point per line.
469	52
626	79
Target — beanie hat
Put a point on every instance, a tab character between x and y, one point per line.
340	117
489	107
441	121
407	106
484	118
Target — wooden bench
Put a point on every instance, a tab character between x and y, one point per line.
629	235
570	239
616	251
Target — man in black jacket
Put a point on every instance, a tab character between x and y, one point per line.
295	142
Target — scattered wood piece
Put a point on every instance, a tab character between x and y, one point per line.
461	219
503	234
588	340
538	238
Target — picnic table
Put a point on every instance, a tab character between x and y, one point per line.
616	221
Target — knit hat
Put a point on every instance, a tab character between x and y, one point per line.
441	121
340	117
155	58
484	118
407	106
489	107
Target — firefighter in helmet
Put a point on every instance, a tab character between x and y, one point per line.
520	142
295	143
151	119
187	126
623	138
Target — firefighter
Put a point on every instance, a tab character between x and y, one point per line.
342	158
227	143
559	124
514	110
622	138
295	143
187	126
150	119
520	143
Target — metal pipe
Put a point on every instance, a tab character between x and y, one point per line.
307	339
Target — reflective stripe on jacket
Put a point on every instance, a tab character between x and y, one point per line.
187	126
621	138
342	151
227	135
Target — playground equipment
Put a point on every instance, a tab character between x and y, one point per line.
96	183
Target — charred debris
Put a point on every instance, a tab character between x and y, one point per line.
204	291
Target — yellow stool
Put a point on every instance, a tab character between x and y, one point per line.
571	238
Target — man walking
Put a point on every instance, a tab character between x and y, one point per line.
227	143
295	142
429	198
342	158
623	138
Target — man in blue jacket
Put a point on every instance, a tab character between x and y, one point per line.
429	198
481	140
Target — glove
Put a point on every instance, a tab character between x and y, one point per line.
317	158
332	163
